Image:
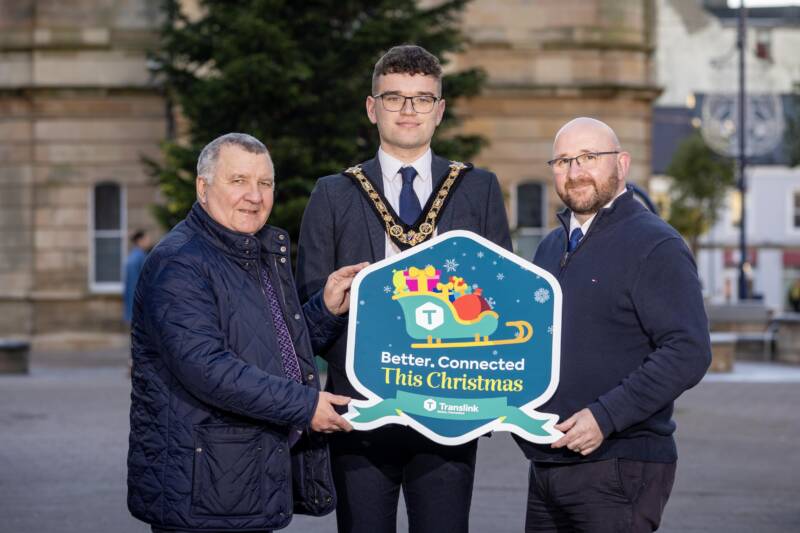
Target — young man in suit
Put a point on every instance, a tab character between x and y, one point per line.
402	197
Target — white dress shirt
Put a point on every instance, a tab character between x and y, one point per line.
573	222
393	184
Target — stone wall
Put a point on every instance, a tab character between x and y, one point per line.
77	107
550	61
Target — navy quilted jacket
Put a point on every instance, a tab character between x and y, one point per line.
211	408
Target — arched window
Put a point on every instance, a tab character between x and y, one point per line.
107	238
530	205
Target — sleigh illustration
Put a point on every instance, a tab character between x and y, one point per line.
432	317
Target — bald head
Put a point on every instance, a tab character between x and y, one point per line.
589	130
589	166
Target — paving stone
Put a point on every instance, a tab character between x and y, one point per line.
63	447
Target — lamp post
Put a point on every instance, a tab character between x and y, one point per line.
744	292
742	125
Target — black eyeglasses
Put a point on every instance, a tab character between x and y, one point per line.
586	161
395	102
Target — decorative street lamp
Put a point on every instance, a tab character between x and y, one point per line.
742	127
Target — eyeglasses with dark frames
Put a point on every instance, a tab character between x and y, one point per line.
395	102
586	161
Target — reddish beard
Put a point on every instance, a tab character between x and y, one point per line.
602	192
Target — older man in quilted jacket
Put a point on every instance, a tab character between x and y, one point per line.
226	411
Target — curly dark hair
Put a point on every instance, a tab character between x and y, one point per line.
407	59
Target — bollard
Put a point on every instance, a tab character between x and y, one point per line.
722	351
787	337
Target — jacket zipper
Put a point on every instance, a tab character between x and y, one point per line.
283	295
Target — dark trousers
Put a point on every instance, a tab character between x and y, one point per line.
159	530
613	495
370	467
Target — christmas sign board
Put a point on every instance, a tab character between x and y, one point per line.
455	337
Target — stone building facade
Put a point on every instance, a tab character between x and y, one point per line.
78	110
549	61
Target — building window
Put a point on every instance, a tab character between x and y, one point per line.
764	44
796	210
530	206
107	234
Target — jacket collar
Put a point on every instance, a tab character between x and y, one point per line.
624	204
239	245
440	167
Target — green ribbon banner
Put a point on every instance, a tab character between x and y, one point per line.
451	409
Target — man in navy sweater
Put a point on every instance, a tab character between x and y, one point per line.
634	337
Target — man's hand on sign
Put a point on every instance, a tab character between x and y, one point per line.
326	419
337	289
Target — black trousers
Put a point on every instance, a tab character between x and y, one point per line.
613	495
158	530
370	467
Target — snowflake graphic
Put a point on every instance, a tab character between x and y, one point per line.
474	286
362	302
491	302
550	329
450	265
387	289
480	255
463	254
494	352
494	263
472	268
541	295
501	276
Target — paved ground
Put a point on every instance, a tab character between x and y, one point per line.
63	441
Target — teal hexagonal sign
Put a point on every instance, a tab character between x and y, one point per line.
455	337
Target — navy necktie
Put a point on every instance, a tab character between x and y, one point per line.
574	238
409	203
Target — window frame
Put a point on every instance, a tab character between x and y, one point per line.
107	287
528	231
792	211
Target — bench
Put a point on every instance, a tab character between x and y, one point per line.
14	355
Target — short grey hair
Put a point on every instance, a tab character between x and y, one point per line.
207	162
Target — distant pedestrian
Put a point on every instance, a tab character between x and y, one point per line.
794	296
140	241
634	337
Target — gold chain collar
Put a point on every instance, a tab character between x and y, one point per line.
418	233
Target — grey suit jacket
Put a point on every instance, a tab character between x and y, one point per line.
340	228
